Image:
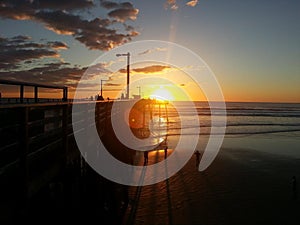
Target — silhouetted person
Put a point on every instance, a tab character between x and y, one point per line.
294	187
197	153
145	157
166	151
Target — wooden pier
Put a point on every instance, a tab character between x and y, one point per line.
39	157
37	148
36	88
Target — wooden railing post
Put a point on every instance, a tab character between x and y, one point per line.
23	151
36	94
65	132
21	93
65	94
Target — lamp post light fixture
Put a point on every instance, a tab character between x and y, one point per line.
128	71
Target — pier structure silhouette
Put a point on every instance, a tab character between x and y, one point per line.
42	171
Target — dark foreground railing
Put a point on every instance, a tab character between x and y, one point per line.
36	88
39	158
28	100
37	146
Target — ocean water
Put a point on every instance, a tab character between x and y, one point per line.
242	118
269	127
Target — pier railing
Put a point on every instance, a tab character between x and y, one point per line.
37	144
36	88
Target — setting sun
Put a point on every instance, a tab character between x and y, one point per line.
162	94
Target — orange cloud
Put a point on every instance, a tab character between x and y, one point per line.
148	69
171	4
192	3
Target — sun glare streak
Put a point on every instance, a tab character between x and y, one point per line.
172	33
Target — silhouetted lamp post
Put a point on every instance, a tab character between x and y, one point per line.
128	71
139	87
101	90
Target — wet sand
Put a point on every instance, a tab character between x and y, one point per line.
242	186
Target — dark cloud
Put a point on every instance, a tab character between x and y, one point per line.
68	76
123	14
151	69
121	11
58	45
20	49
22	59
60	22
56	73
123	70
56	65
147	69
115	5
27	8
128	27
98	69
109	4
59	17
18	55
113	89
19	38
126	5
63	4
112	84
18	10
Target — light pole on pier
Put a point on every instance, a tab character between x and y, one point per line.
128	71
139	87
101	91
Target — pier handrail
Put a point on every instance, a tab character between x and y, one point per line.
36	86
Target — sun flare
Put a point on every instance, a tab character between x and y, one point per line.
162	94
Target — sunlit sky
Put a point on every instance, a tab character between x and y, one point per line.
252	47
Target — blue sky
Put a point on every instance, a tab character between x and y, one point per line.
253	47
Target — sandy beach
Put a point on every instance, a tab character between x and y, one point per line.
242	186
